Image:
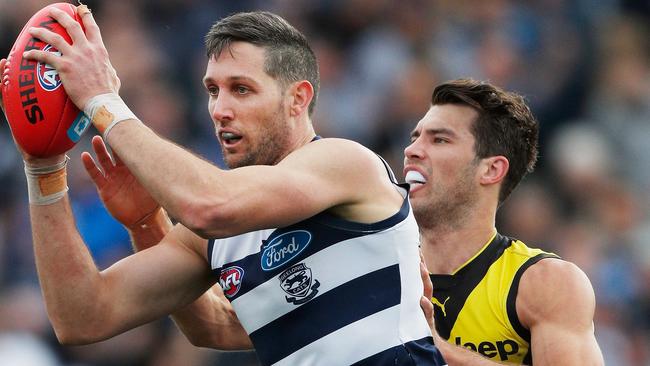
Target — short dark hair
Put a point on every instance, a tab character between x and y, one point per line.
505	125
289	58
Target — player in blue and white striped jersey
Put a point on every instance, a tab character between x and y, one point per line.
315	246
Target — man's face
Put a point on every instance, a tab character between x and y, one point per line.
247	107
440	164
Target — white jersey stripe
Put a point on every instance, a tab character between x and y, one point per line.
378	251
321	354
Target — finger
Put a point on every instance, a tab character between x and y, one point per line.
4	81
51	38
93	171
71	26
426	280
92	30
45	57
3	64
102	154
427	309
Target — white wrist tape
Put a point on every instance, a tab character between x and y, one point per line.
48	184
106	111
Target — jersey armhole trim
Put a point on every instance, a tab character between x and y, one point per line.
511	306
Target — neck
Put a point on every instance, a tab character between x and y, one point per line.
447	247
305	136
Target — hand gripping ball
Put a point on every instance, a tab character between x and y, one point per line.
43	120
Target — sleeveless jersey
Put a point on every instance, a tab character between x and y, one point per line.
327	291
475	306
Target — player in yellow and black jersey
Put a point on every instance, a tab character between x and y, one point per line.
496	300
475	305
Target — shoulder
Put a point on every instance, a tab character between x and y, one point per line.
336	155
555	290
519	248
337	147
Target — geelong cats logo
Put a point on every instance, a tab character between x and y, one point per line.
297	282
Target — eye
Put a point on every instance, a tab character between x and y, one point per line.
241	89
212	90
440	140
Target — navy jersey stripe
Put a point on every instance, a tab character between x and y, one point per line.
338	223
419	352
322	237
328	312
326	230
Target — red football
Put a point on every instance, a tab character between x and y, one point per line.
43	120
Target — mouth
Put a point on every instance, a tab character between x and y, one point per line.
415	179
229	139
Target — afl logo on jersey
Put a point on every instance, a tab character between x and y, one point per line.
284	248
297	282
230	280
48	77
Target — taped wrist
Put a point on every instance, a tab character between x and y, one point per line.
48	184
106	111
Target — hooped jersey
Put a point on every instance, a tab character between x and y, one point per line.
475	306
327	291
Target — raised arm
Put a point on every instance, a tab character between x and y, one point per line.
209	201
85	305
557	303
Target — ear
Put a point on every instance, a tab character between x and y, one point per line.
494	169
301	94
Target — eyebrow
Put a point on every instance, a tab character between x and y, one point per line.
434	131
231	79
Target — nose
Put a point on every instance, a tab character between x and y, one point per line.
220	108
413	150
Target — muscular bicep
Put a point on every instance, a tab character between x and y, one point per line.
157	281
557	303
323	175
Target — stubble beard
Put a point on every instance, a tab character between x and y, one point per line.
271	147
448	209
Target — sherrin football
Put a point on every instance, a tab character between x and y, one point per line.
43	120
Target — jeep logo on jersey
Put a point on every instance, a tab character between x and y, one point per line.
297	282
48	77
503	349
230	280
284	248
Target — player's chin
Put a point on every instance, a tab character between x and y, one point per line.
234	160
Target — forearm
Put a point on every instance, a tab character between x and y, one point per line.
211	322
66	271
175	178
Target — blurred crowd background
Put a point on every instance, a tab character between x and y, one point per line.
584	66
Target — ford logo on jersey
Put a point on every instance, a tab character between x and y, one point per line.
284	248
